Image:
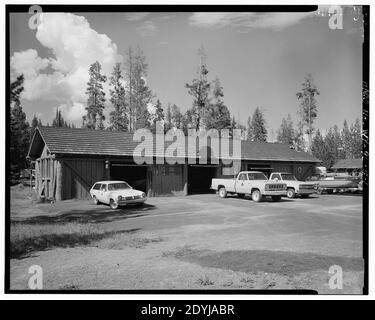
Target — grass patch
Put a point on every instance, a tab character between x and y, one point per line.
21	192
253	261
120	241
70	286
205	281
26	238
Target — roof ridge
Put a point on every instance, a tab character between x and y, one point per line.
62	140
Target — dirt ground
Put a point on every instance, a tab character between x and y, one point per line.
194	242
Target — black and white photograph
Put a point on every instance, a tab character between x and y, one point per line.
187	149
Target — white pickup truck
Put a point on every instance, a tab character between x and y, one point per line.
293	186
254	183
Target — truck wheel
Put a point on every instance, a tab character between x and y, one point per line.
276	198
290	193
222	192
256	196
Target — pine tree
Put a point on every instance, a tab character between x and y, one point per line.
19	129
187	120
118	117
347	143
327	148
34	121
168	118
236	125
299	140
19	139
16	88
233	123
96	98
59	121
258	125
159	115
356	137
177	118
317	147
138	94
217	115
250	136
340	154
285	134
308	106
330	149
199	89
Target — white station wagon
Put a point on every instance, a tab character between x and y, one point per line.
116	194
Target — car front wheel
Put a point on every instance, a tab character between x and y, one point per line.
113	204
95	200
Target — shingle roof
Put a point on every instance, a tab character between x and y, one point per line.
273	151
77	141
348	164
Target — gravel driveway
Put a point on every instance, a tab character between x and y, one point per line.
194	242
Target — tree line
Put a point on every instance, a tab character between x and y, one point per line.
130	98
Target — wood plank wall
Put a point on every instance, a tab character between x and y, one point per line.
167	179
78	176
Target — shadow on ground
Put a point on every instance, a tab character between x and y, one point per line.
23	247
281	262
264	199
93	214
347	194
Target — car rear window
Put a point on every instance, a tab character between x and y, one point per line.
96	186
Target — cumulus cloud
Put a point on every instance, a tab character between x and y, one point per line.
63	76
28	62
148	28
247	20
73	111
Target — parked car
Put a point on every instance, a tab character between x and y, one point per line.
293	186
116	194
254	183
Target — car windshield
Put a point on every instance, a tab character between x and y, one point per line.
257	176
288	176
118	185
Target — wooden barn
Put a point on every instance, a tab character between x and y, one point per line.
69	161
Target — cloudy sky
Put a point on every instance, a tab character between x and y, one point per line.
260	58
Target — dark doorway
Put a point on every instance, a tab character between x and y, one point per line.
199	178
135	175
